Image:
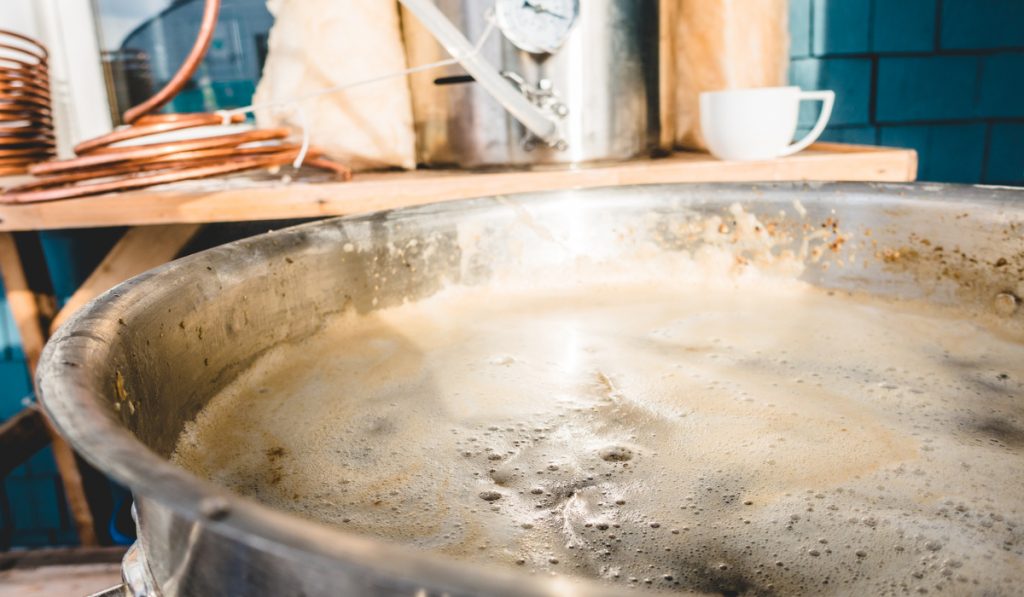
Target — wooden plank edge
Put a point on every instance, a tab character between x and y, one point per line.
21	300
140	249
60	556
21	436
824	162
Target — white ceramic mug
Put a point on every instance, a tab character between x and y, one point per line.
758	124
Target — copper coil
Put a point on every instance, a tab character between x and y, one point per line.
16	74
110	155
151	125
26	81
189	158
16	95
17	152
107	167
34	48
140	178
130	158
26	120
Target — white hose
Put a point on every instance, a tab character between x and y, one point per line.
484	73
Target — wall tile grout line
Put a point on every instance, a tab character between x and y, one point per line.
949	53
873	94
951	121
986	151
872	7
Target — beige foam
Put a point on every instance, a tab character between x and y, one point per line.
701	430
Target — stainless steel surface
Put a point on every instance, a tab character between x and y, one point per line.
122	377
138	582
114	591
534	117
605	74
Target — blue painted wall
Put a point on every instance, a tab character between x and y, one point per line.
945	77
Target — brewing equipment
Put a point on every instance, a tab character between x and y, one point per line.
592	66
139	155
26	114
124	375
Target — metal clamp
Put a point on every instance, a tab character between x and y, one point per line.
544	96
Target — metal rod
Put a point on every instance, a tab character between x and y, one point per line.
485	74
187	68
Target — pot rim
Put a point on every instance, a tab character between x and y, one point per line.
73	400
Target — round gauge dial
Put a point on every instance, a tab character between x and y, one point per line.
537	26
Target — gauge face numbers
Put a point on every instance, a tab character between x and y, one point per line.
537	26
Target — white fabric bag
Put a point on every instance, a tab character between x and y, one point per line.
319	44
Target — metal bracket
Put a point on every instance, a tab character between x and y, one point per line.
544	96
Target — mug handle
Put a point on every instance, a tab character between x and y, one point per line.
829	99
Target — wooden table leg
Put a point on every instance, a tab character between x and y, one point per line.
21	436
25	306
140	249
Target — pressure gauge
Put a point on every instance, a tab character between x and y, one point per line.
537	26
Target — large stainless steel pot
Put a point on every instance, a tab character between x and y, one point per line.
124	375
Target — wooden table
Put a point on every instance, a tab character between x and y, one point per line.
243	199
164	219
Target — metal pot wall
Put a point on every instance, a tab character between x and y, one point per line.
126	373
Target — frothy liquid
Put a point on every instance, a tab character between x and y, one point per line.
744	437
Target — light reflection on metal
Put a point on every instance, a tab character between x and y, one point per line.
285	284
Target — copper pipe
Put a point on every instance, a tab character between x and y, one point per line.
203	170
180	78
110	155
26	122
150	125
33	125
176	161
122	159
13	146
12	154
41	54
30	91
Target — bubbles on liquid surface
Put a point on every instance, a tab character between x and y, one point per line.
879	454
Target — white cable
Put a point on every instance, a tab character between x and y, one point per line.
305	138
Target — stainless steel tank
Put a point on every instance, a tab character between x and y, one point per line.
124	375
594	64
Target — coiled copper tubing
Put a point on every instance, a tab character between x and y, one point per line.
123	159
26	122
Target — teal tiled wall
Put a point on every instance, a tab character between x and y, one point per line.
944	77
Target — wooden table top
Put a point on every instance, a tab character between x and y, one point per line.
248	198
